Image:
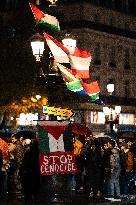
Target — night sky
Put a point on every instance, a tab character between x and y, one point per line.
17	67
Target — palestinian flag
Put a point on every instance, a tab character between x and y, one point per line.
58	50
80	62
56	148
92	90
52	136
45	19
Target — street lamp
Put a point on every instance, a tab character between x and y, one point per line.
110	88
69	42
111	113
37	45
53	2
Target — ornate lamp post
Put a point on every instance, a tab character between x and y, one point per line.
69	42
111	113
37	45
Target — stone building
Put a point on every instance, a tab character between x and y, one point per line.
108	29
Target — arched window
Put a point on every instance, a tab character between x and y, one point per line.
126	89
125	5
112	61
126	59
96	56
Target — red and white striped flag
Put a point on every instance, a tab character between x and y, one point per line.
79	59
58	50
80	62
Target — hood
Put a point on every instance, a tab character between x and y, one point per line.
114	151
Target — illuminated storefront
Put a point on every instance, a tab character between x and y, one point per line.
95	117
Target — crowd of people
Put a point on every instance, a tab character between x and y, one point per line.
105	170
19	167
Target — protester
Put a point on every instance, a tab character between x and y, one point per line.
80	161
94	169
115	173
126	158
18	153
30	173
4	166
107	168
1	163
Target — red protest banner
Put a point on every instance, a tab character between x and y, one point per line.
57	163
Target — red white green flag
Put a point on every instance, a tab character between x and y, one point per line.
92	90
77	85
58	50
56	148
80	62
72	83
45	19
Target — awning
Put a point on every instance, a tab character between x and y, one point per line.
127	128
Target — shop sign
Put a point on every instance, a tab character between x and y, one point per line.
63	112
57	163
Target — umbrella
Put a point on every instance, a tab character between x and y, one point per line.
103	138
80	129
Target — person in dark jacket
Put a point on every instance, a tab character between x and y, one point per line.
126	161
1	177
107	168
30	173
94	168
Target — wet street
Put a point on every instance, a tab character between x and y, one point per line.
78	199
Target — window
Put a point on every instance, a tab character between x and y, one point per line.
11	4
125	5
108	3
96	18
111	22
126	89
112	62
113	4
118	4
96	56
97	2
126	26
126	59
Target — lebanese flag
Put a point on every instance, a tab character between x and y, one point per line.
45	19
58	50
92	90
80	62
